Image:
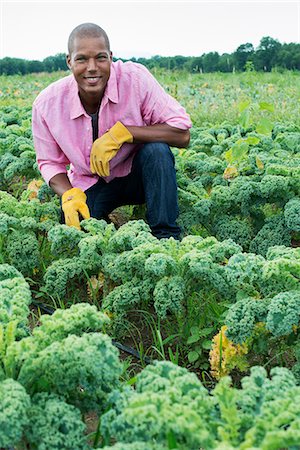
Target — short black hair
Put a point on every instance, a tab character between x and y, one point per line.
87	30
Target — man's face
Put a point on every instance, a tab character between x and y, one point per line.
90	62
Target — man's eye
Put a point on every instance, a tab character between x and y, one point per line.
102	57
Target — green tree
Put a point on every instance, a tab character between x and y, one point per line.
194	64
35	66
210	61
243	54
266	54
289	56
11	66
57	62
226	62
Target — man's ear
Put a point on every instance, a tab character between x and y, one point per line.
110	56
68	61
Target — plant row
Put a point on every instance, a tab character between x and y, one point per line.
67	367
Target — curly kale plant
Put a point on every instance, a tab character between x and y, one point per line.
65	367
85	383
270	410
19	243
292	214
15	297
44	362
64	240
262	277
268	292
79	318
237	228
276	188
22	251
243	271
140	270
274	232
128	236
230	202
281	271
35	209
254	416
24	165
171	409
280	314
169	403
164	273
242	318
14	405
283	313
53	423
80	253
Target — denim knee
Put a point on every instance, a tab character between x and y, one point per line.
156	151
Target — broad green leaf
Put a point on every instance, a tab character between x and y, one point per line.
264	126
206	344
244	105
206	331
245	118
228	155
193	356
239	151
194	330
194	338
264	106
252	140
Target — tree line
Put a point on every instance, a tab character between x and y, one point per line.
270	54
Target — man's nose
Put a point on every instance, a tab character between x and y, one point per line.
91	64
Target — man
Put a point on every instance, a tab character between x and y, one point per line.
112	124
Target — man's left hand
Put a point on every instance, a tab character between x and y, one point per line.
106	147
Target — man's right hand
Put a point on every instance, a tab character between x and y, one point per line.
73	204
106	147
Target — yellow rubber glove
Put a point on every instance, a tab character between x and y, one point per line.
106	147
73	204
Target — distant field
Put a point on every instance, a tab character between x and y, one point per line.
209	98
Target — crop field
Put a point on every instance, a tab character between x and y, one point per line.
112	339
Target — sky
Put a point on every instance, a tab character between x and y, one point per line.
37	29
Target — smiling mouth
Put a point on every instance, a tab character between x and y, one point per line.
92	81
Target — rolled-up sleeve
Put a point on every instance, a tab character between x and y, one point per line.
158	106
50	158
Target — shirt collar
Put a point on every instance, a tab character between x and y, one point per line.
111	93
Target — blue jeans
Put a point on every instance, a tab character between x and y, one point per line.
151	181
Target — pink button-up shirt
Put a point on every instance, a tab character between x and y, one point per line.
62	129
